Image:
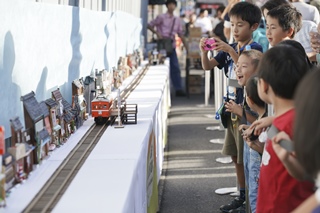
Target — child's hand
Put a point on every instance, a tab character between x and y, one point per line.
202	45
282	153
261	124
222	46
234	108
243	127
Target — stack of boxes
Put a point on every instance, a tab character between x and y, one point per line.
195	81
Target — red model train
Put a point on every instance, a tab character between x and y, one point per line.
101	108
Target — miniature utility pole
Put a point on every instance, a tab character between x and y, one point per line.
119	108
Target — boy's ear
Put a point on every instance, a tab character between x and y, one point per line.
250	100
265	85
290	32
254	26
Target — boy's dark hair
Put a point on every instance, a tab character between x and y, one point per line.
306	134
288	17
202	11
282	67
270	4
299	47
247	12
221	8
252	91
171	1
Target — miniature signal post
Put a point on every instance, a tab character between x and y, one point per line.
119	109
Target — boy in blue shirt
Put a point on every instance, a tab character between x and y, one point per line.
245	18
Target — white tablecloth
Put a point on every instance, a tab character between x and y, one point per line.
114	177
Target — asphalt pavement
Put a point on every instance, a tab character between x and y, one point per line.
191	173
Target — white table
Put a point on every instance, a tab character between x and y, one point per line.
114	178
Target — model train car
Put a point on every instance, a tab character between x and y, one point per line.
101	108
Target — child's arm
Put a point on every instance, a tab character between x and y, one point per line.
261	124
288	159
308	205
207	64
255	145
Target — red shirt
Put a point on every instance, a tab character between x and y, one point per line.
278	191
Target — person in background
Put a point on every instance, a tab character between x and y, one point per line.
204	22
218	18
218	24
190	24
245	18
163	24
309	12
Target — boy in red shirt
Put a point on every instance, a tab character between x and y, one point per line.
279	72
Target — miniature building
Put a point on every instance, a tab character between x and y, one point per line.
67	118
16	130
43	139
89	88
78	100
77	87
9	170
78	114
34	120
103	82
54	115
56	95
24	158
46	115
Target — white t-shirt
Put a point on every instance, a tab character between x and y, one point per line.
205	24
309	12
303	36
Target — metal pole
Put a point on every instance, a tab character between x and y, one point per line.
207	87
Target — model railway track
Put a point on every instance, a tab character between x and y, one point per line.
51	193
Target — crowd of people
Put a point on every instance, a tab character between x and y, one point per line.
270	116
272	173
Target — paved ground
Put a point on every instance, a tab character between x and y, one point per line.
191	174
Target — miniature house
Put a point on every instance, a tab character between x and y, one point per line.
89	89
46	115
54	117
67	118
56	96
34	120
78	100
78	114
24	158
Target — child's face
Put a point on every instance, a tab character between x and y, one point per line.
240	28
244	69
275	32
249	102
